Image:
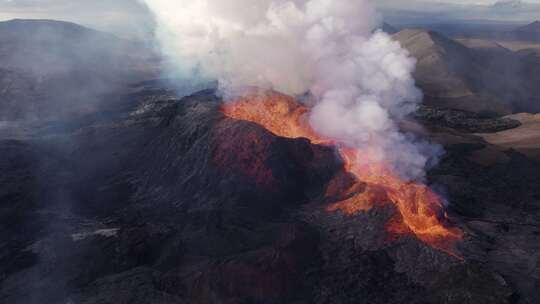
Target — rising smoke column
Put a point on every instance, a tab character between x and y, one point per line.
361	79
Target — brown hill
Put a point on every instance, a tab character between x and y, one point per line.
482	80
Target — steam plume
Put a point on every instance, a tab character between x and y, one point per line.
361	79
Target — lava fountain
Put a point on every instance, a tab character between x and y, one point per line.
420	211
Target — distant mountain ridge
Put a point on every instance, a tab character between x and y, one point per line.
487	80
48	67
530	28
12	28
529	32
29	44
488	30
387	28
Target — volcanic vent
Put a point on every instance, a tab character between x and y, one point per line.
369	182
361	82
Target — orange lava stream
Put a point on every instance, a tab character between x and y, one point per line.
420	210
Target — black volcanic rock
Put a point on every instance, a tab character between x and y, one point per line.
160	187
463	121
18	204
168	201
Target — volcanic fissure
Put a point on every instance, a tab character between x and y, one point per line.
419	210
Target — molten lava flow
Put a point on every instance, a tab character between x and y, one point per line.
279	114
420	210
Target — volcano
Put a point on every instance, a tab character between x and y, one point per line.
167	193
230	210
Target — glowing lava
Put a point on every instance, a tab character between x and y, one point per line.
420	210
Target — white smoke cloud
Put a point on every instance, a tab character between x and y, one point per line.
361	79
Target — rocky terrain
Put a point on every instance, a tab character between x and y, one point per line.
157	197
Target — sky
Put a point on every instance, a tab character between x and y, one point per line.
131	18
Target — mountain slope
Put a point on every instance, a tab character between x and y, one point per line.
444	71
484	80
50	68
387	28
533	27
529	32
